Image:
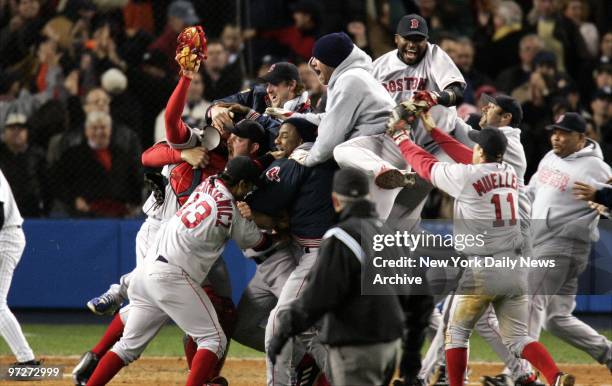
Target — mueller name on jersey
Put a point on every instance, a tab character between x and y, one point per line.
405	84
495	181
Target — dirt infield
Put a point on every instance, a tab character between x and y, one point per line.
168	371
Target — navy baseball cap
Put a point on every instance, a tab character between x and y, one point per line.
412	25
491	139
306	129
508	105
281	71
242	168
252	130
569	122
351	182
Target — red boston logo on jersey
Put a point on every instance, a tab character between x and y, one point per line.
414	23
273	174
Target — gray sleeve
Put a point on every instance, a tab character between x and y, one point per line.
338	121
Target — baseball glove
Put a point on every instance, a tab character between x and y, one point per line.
402	117
428	97
191	47
156	182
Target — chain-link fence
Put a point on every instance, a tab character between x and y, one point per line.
84	83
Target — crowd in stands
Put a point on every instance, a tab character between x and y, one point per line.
83	83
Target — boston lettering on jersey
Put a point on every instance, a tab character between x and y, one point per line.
200	208
405	84
555	178
494	181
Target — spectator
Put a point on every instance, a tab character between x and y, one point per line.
15	97
98	178
600	107
560	35
513	77
448	44
464	59
124	107
21	33
358	33
576	11
603	77
152	74
97	99
295	41
544	83
220	78
181	14
194	112
231	37
499	43
605	47
24	166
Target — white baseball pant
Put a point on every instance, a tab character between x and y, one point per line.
261	295
283	372
160	291
12	244
554	300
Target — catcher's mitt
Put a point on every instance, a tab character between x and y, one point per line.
191	47
402	117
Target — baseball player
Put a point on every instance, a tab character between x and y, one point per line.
416	70
486	199
363	331
167	286
504	113
281	87
12	243
164	202
304	193
566	234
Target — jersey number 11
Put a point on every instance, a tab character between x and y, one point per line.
499	222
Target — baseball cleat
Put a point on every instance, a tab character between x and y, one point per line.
528	380
563	379
106	304
83	370
394	178
217	381
498	380
32	363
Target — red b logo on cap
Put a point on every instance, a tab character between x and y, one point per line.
414	23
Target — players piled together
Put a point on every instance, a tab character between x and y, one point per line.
302	193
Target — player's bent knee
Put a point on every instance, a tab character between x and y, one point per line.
457	337
216	343
516	345
342	155
127	355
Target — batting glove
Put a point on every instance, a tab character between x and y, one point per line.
429	97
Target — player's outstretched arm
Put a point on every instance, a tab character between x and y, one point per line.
177	131
455	149
421	161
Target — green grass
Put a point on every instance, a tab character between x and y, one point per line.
75	339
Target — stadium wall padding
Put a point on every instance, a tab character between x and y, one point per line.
67	262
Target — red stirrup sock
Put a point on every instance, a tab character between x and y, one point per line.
111	336
456	364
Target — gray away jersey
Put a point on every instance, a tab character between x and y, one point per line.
486	203
195	237
434	73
